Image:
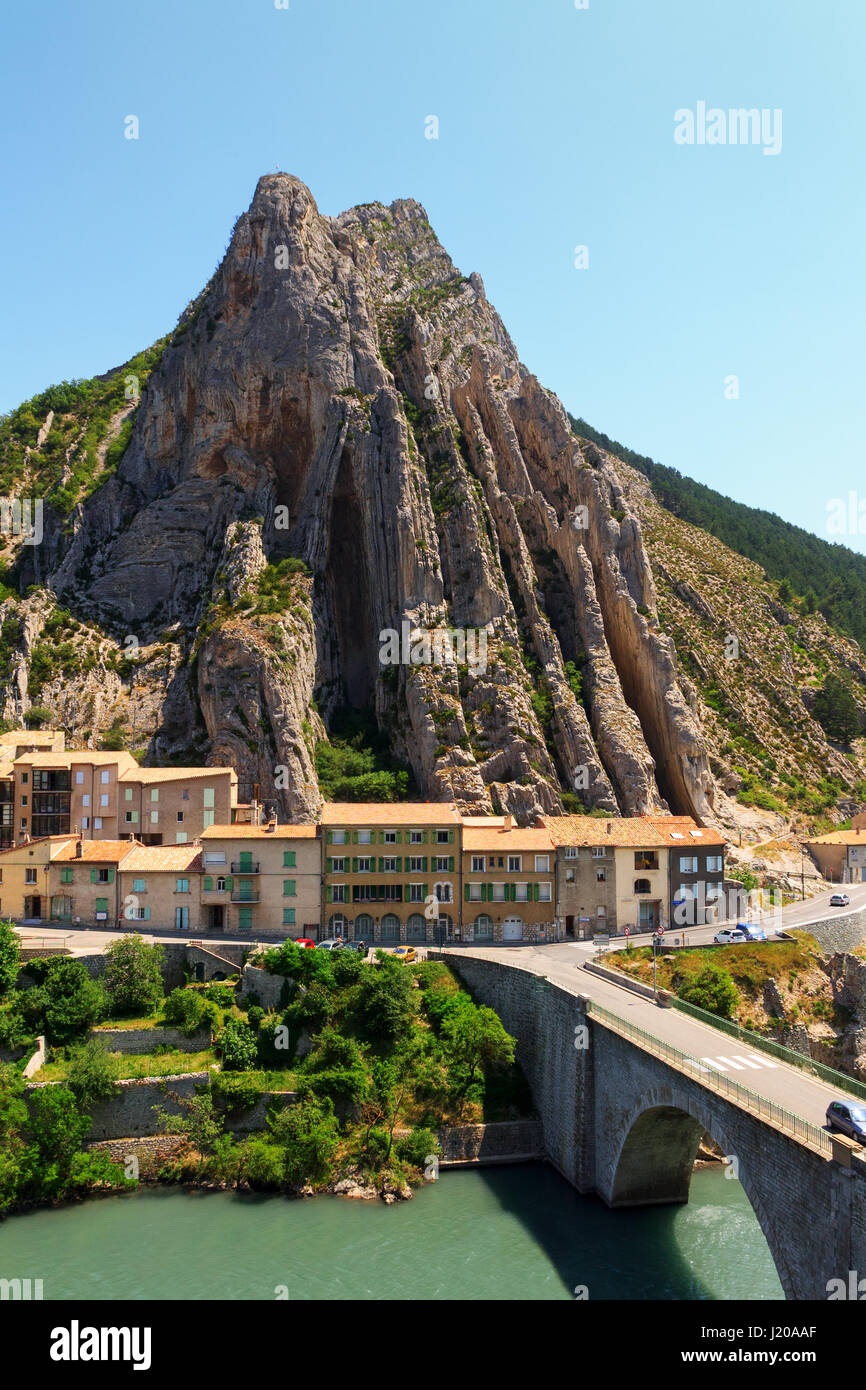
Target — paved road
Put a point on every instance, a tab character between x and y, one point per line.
785	1085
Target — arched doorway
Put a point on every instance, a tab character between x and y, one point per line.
482	927
416	928
337	925
390	929
363	930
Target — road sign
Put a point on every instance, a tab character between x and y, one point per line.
628	931
660	931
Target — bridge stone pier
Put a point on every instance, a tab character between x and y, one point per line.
625	1124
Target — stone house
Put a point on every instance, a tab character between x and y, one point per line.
261	879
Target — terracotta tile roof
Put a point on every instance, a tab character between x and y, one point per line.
674	827
78	755
259	832
535	838
840	837
593	830
167	858
402	813
95	851
173	774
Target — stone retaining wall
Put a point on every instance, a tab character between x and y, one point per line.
509	1141
266	987
138	1041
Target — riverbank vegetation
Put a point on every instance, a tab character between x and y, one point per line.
349	1077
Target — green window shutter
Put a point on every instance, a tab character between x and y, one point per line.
354	837
399	866
230	883
466	892
329	897
399	837
245	916
514	892
354	866
101	905
110	875
246	861
288	916
450	837
208	885
450	863
288	858
92	875
380	863
423	837
329	866
147	914
535	892
288	887
425	888
381	837
424	864
330	837
66	875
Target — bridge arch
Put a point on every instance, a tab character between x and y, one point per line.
654	1154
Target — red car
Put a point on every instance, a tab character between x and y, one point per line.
304	941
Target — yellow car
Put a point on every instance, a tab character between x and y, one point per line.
404	953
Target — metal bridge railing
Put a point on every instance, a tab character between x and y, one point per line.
803	1130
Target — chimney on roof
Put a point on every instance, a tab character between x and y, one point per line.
79	849
609	828
508	823
270	827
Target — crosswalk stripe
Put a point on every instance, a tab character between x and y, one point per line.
731	1063
713	1064
750	1062
763	1060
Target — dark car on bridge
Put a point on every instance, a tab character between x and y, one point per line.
751	932
848	1117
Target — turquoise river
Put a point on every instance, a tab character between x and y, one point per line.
496	1233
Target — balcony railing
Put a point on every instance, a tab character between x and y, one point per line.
244	869
240	897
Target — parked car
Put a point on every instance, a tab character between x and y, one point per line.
839	900
848	1117
727	935
304	941
751	932
404	953
333	943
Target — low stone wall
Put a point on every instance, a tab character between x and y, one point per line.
151	1152
266	987
129	1112
616	977
510	1141
138	1041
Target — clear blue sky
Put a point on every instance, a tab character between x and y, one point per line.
556	129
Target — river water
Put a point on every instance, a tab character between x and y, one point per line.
495	1233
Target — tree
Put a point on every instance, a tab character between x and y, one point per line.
308	1135
383	1008
187	1010
58	1129
836	710
713	989
785	591
392	1079
13	1118
335	1067
67	1004
91	1073
132	978
10	962
198	1120
474	1040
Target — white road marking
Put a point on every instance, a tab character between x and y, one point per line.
752	1060
731	1063
713	1064
749	1061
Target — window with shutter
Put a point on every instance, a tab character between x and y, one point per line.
208	884
288	887
288	858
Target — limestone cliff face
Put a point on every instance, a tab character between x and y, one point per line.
340	396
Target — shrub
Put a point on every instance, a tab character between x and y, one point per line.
237	1045
417	1147
221	994
713	989
91	1073
9	958
66	1005
187	1010
263	1163
308	1135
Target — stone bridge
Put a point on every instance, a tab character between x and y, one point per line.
623	1118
